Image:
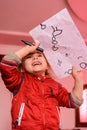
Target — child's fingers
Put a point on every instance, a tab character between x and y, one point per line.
73	69
37	43
76	74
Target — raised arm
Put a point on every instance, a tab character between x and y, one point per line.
78	84
26	50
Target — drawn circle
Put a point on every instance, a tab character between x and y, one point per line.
69	71
43	26
83	65
54	41
54	48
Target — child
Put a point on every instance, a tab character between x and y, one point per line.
36	95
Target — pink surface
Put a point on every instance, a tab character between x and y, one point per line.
17	17
79	7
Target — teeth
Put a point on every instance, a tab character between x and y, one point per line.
36	63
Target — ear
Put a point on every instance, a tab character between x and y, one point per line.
21	68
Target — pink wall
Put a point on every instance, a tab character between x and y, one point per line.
21	16
16	19
5	105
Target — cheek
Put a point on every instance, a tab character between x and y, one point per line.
45	62
27	65
45	65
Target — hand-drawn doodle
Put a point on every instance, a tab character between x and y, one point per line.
69	71
43	26
83	65
62	42
64	50
59	62
55	33
79	57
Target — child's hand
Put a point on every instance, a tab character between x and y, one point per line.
78	84
36	45
77	75
27	49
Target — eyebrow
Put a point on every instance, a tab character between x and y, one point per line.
37	52
32	54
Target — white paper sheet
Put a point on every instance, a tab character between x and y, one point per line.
62	43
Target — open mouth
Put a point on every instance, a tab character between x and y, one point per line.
36	63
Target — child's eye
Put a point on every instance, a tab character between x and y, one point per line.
29	56
39	55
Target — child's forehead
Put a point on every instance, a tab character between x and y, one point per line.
33	53
36	52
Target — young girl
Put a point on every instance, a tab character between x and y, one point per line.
36	95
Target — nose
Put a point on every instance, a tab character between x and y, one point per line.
35	57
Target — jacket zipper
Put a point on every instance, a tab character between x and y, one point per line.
60	122
43	107
20	113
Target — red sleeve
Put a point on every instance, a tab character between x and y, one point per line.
10	75
65	98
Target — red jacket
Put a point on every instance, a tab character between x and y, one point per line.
36	101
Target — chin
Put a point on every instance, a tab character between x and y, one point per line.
38	72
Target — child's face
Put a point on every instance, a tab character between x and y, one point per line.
36	63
